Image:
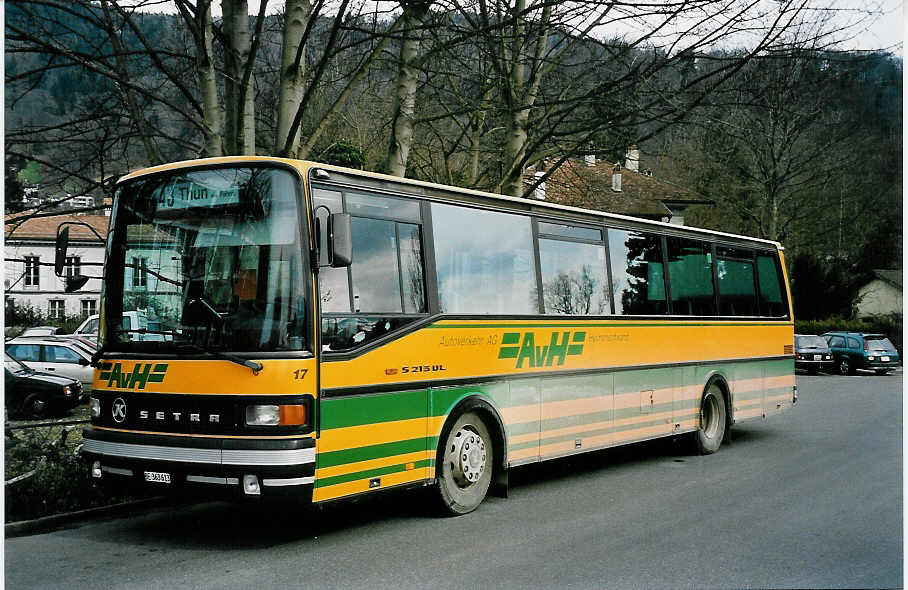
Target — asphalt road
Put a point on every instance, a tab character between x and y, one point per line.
811	498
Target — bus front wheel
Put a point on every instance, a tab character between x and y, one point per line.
713	420
464	464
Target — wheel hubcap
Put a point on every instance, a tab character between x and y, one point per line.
469	457
709	412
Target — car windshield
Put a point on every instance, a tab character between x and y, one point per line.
14	365
810	342
879	343
207	259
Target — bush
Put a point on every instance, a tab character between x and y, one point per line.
54	478
22	316
890	325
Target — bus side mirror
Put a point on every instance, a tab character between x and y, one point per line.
340	240
60	250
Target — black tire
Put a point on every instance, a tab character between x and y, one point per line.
882	371
813	371
844	367
35	406
713	420
464	465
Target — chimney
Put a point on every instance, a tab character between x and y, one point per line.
632	159
589	160
616	178
540	188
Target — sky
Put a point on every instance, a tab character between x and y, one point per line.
883	28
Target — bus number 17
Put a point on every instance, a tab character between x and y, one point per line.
300	373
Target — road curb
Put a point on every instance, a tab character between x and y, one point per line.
46	524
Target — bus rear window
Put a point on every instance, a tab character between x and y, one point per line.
772	300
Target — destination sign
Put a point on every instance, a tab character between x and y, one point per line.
185	194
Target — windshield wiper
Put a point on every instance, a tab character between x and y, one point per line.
253	365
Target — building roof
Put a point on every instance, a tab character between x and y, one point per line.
577	184
45	228
893	277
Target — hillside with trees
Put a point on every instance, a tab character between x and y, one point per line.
750	105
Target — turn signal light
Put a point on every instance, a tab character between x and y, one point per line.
293	415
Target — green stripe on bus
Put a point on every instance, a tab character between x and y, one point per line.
370	473
333	458
372	409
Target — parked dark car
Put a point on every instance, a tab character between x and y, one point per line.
812	353
856	350
37	395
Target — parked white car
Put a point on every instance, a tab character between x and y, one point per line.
54	355
42	331
89	327
132	320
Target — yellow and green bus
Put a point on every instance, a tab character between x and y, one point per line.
319	332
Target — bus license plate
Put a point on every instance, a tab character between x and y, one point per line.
157	476
885	359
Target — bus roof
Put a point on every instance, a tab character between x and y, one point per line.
304	166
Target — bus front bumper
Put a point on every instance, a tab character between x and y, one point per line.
251	468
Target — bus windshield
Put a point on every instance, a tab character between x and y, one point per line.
207	260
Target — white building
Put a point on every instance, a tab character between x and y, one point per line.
29	264
882	295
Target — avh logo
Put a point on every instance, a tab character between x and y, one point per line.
140	375
522	346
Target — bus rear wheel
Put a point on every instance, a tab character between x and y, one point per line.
464	465
713	420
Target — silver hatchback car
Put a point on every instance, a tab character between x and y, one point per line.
54	355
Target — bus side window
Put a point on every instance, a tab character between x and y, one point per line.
384	287
691	277
737	286
574	280
638	277
485	261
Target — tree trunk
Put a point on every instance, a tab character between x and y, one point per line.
240	118
522	93
212	117
293	70
151	151
405	94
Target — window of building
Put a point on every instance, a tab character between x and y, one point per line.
32	271
638	276
140	271
574	279
89	307
484	260
690	271
73	266
56	309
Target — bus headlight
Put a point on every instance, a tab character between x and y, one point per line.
275	415
95	404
